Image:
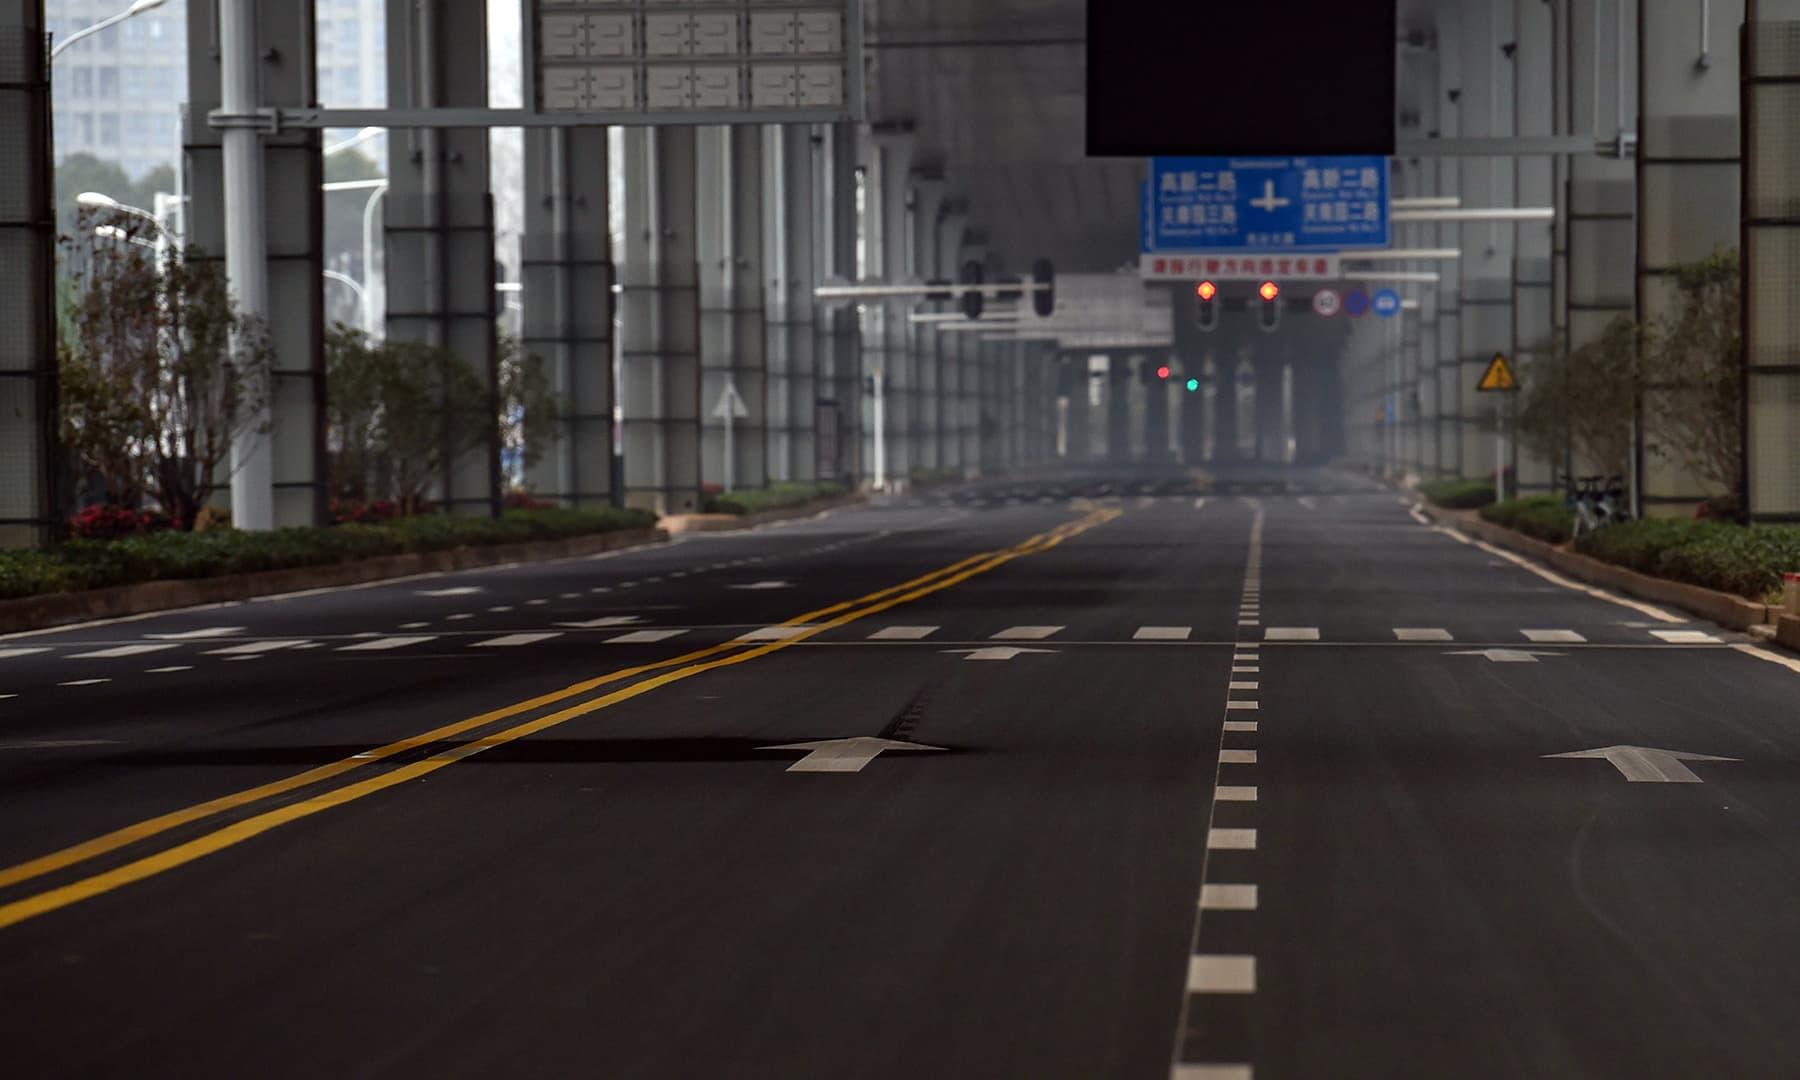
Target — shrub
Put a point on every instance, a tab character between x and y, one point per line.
1546	517
1748	561
103	522
517	499
356	512
774	497
1459	494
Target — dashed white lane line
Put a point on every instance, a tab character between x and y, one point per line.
1246	669
569	596
168	670
1402	633
1221	975
414	625
1237	794
1026	633
1686	637
254	648
774	633
1291	633
1553	637
385	643
200	634
1163	633
500	609
511	641
536	603
903	633
459	616
1231	839
1228	897
1237	757
7	654
644	637
84	682
118	651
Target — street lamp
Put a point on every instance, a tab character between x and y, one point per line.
95	200
138	7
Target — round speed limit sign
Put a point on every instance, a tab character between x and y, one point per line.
1326	303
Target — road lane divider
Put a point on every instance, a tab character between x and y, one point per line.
687	666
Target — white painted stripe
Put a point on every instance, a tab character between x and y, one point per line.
386	643
120	650
1249	644
253	648
1242	705
774	633
1246	726
1212	1072
1246	669
511	641
1247	622
1237	757
500	609
458	617
1231	839
1686	637
644	637
1291	633
195	635
84	682
1221	975
1243	686
1026	633
168	670
7	654
1228	897
414	625
1235	794
1402	633
1553	637
903	633
1163	633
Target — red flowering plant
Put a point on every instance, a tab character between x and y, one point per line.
525	500
105	522
358	512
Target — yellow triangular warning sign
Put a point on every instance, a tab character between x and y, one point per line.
1498	376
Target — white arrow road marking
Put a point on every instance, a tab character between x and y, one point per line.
844	755
1506	656
1644	765
997	652
120	650
458	590
759	586
602	623
191	635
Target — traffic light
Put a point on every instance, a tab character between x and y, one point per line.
1162	372
1193	385
1206	305
1270	316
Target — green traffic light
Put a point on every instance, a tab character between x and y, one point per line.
1193	385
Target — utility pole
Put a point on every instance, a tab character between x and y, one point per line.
246	249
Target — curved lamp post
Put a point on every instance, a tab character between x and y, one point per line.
137	8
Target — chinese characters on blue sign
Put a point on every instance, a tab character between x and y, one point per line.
1266	204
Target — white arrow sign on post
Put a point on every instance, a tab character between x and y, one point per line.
1643	765
844	755
730	409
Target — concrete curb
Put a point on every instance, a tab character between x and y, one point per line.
61	609
1732	612
677	524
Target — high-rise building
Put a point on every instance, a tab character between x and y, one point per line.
118	93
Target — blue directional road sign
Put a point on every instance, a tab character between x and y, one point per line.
1386	303
1356	303
1266	204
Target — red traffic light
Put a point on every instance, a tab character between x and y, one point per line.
1162	372
1269	290
1206	290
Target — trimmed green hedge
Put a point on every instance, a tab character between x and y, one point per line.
1546	517
1748	561
169	556
773	497
1459	494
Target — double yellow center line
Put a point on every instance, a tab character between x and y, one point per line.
660	674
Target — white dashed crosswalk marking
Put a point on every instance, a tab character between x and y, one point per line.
195	635
1228	898
1685	637
1237	757
644	637
1221	974
1163	633
1231	839
1553	637
1421	634
512	641
120	650
253	648
1026	633
7	654
383	644
903	633
774	633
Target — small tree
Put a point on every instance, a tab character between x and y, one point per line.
1585	401
1694	357
161	372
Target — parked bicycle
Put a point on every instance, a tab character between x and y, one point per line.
1597	501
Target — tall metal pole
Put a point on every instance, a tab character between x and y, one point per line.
246	251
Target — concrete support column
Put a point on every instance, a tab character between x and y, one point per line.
1534	179
732	331
1602	195
1445	388
439	217
31	509
837	335
659	359
284	476
1771	260
789	247
1118	408
567	272
1688	193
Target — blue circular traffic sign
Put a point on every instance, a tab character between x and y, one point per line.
1356	303
1387	303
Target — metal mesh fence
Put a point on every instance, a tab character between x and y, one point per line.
1772	269
27	360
